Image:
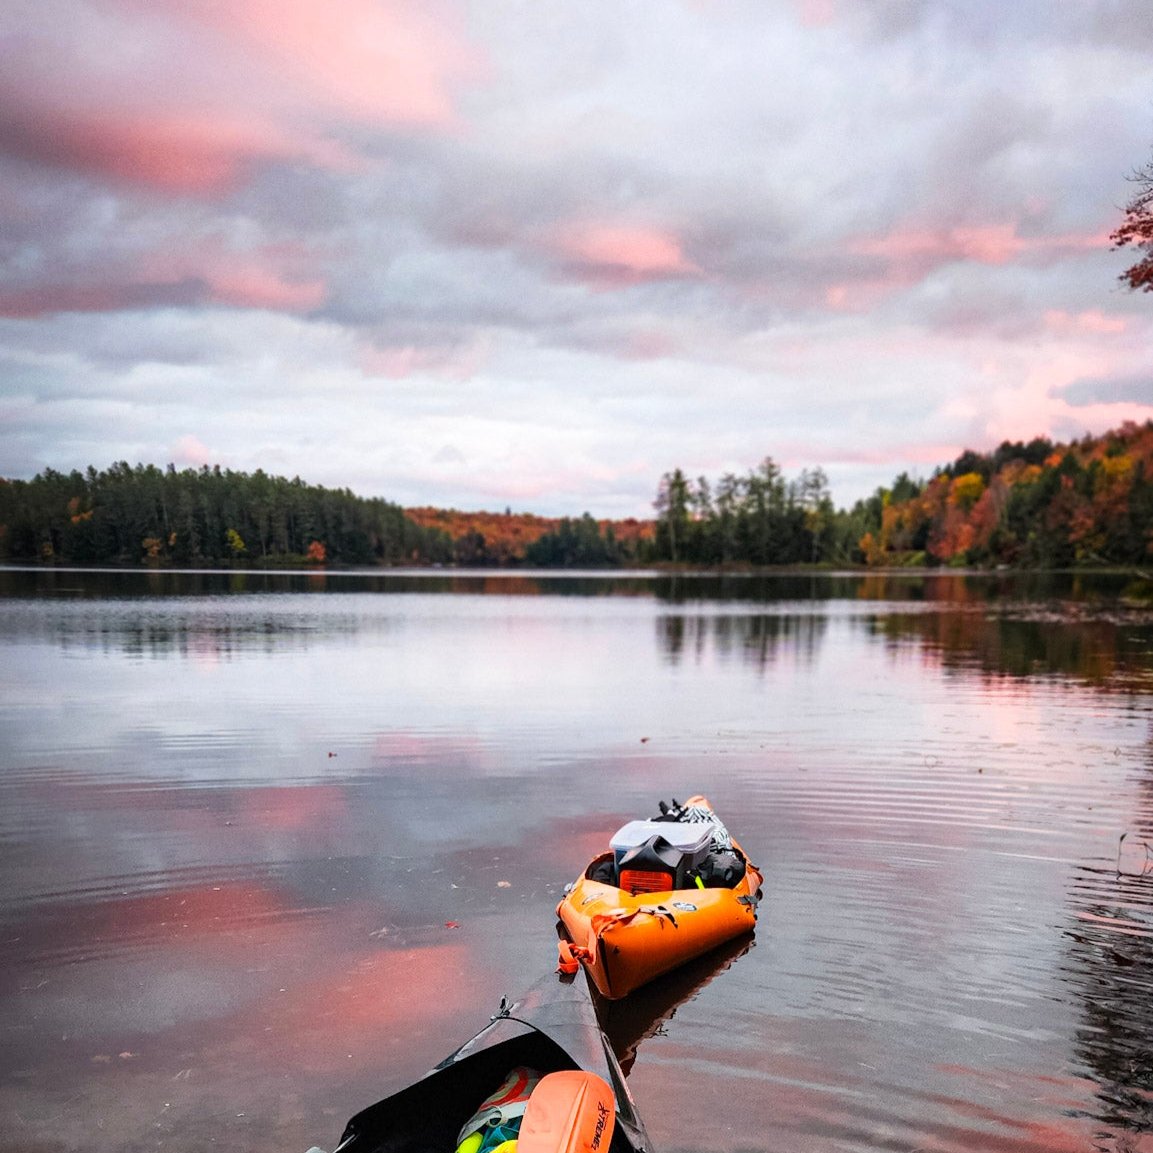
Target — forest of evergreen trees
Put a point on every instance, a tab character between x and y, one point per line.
144	514
757	519
1038	505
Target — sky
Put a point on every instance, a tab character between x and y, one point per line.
533	255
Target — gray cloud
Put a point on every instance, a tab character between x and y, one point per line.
1115	390
577	247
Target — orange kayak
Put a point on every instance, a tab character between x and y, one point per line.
666	891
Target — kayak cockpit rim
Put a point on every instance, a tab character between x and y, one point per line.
557	1031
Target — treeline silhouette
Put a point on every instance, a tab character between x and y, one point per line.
144	514
1035	504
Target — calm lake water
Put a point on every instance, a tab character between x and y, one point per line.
272	845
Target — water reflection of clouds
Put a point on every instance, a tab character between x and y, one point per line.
316	1021
821	1084
915	814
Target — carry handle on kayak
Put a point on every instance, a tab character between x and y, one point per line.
569	1112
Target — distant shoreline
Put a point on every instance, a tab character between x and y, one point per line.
662	568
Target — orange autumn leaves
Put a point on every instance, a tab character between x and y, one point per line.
1087	501
503	538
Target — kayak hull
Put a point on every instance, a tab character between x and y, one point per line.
625	940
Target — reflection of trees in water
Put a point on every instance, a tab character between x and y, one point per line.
754	639
1111	962
1113	652
1111	966
185	633
915	585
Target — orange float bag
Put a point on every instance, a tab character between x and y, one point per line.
569	1112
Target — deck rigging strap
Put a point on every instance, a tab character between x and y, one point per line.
601	922
569	957
570	954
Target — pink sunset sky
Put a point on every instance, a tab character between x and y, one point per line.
493	254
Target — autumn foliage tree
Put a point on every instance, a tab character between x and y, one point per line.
494	539
484	539
1037	505
1137	229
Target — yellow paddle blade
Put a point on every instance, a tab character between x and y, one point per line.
568	1112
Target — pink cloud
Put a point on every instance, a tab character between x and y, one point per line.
648	344
190	450
255	287
382	61
1026	401
918	452
265	276
195	153
911	254
858	296
207	271
145	153
44	299
198	93
1092	321
398	362
617	256
239	287
918	250
816	13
